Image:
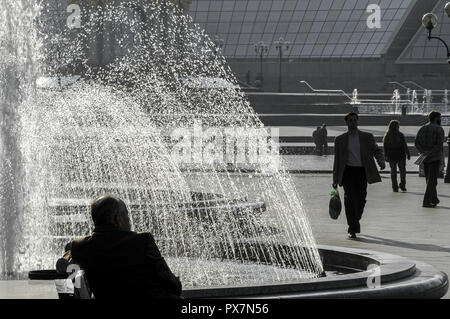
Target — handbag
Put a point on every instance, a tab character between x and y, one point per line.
335	205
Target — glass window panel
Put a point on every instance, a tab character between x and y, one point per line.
293	27
277	5
370	49
361	27
360	49
301	38
232	38
241	50
314	5
296	50
395	3
333	15
215	5
201	17
317	26
355	37
417	52
338	4
399	14
211	28
323	38
345	37
282	27
350	27
203	6
238	16
298	16
213	16
307	49
252	5
310	15
259	27
339	49
334	38
363	4
328	50
262	16
265	5
384	4
255	37
302	5
328	27
247	27
305	27
430	53
229	50
290	5
377	37
266	37
358	15
326	5
345	15
244	38
274	16
312	38
321	15
285	16
250	16
318	49
405	4
240	6
380	48
350	4
235	28
366	37
228	5
270	27
225	17
339	26
389	14
224	27
349	49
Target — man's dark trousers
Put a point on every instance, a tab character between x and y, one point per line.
355	193
431	175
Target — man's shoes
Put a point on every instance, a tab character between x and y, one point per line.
395	190
403	189
429	205
437	201
352	236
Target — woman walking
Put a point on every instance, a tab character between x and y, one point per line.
395	152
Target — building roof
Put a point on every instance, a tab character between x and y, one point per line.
315	28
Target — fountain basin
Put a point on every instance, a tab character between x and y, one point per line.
399	278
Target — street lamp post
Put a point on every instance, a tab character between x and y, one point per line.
429	21
261	48
281	45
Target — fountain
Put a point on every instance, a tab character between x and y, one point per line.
225	231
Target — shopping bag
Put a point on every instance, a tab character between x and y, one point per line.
335	205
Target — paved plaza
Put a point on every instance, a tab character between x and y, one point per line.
392	222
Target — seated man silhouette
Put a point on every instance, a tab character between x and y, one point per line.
118	262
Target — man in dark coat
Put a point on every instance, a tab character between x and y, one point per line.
430	141
323	136
354	167
120	263
315	136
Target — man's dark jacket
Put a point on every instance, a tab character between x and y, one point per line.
124	264
369	150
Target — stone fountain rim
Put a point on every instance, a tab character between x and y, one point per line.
395	271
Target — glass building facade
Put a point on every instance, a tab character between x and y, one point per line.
315	28
421	50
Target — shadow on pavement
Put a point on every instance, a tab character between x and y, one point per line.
390	242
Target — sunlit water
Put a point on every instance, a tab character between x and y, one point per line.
107	134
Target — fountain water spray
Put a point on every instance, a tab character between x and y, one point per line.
109	134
